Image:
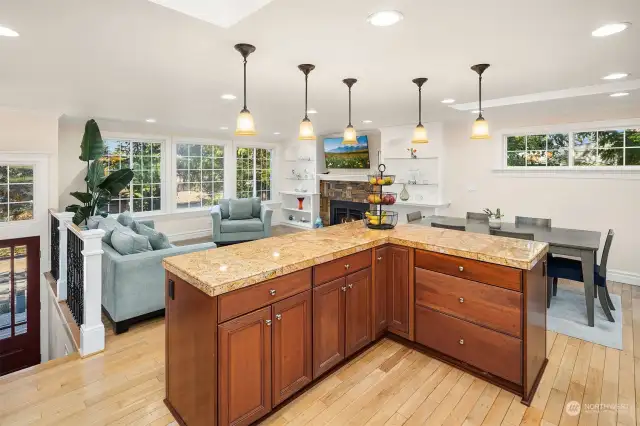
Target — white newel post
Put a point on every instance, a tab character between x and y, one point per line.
92	329
63	219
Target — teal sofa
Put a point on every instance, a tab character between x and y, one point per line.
133	285
253	224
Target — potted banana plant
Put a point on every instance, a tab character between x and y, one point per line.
495	219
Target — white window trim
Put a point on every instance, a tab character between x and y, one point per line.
570	128
274	166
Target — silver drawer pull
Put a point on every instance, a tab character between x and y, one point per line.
268	322
380	258
461	268
461	341
344	289
278	317
350	285
347	266
272	292
461	300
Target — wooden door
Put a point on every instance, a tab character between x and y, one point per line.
244	371
19	304
379	294
358	311
328	325
398	290
292	346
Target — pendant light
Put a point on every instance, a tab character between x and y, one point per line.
245	125
306	128
420	133
350	137
480	127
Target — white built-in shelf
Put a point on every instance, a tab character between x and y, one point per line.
292	178
291	209
409	158
297	224
418	204
299	194
401	182
303	160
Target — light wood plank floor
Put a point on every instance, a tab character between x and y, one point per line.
386	385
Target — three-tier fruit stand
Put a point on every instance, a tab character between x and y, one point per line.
379	218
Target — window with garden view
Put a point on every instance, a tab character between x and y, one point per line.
253	173
200	175
16	192
144	193
610	147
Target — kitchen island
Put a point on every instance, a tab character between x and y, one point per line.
252	325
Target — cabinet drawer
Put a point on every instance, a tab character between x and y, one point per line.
248	299
501	276
488	350
341	267
484	304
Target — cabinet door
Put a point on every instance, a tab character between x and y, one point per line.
358	311
398	290
379	305
244	376
292	345
328	325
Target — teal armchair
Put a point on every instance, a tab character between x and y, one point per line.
253	226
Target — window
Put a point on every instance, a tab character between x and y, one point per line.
16	193
200	175
253	173
145	159
608	147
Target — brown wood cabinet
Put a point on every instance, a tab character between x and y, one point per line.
358	311
379	290
398	298
292	345
328	325
244	368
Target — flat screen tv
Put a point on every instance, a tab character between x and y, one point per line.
339	156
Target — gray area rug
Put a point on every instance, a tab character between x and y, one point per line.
568	315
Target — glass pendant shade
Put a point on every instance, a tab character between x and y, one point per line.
245	125
480	129
306	131
420	135
350	137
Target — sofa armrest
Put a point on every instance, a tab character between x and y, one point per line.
216	221
265	217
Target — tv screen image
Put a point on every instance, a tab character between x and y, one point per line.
338	156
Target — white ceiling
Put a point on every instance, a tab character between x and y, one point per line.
223	13
133	59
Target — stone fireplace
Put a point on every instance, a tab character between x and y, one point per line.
346	211
352	194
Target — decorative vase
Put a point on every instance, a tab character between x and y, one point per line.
300	200
404	194
495	223
318	223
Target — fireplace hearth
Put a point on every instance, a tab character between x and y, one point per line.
346	211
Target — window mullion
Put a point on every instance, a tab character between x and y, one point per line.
255	184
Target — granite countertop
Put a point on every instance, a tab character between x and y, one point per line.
221	270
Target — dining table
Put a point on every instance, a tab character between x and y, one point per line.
579	243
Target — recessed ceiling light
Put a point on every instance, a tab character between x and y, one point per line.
367	121
615	76
312	111
610	29
619	94
385	18
448	101
150	120
224	128
276	133
7	32
228	97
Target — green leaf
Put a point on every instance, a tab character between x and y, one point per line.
92	145
95	175
117	181
81	215
73	208
83	197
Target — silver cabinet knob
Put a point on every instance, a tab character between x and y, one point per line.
344	289
278	317
461	341
461	300
350	285
268	322
461	268
347	266
380	258
272	292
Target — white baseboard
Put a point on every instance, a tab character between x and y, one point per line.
623	277
181	236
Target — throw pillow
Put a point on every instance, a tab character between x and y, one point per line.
108	225
94	221
126	218
224	208
158	240
240	209
126	242
255	202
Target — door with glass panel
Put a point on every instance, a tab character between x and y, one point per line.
19	304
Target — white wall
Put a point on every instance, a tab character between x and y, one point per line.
594	201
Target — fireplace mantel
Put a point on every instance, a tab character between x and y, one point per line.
343	178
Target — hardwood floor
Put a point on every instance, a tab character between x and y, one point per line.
386	385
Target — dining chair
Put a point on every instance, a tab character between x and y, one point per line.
571	269
414	217
478	216
509	234
533	221
454	227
